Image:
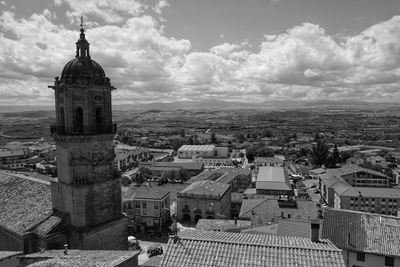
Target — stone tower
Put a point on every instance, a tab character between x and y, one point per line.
87	191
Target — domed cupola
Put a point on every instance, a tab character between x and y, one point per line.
82	69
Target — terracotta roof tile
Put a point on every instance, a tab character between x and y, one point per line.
80	258
24	202
359	231
203	248
206	188
49	224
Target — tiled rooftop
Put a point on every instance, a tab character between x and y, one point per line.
268	160
359	231
353	168
275	178
209	248
221	225
204	148
294	228
232	174
267	209
49	224
9	254
208	175
378	192
80	258
144	192
24	202
209	188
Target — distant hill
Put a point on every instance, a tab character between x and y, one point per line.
269	105
29	114
226	105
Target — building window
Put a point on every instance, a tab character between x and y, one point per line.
155	206
137	204
361	256
389	261
144	205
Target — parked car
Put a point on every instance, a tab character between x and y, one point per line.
154	251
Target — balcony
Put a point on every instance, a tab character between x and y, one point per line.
210	212
61	130
55	129
185	209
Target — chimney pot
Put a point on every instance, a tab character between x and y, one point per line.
66	249
314	231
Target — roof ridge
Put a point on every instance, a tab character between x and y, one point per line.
29	178
254	243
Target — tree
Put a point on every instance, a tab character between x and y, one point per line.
240	137
182	175
304	151
266	133
336	155
183	133
344	156
317	137
257	151
213	138
319	153
144	175
176	143
125	181
330	162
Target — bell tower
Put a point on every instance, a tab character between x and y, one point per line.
87	189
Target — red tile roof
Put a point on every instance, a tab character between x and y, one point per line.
263	211
210	248
80	258
359	231
24	202
151	191
209	188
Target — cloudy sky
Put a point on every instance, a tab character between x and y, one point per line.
191	50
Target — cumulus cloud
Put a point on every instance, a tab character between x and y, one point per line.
146	65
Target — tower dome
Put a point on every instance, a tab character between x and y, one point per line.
82	69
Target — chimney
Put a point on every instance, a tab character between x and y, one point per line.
66	249
314	231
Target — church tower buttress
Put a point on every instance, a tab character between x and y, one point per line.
87	189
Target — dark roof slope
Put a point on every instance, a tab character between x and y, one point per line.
24	202
359	231
210	248
79	258
208	188
145	192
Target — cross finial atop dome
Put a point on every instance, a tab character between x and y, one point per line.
82	45
81	22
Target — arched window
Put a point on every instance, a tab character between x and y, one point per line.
61	119
78	121
99	120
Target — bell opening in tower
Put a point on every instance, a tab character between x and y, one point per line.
99	120
78	122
